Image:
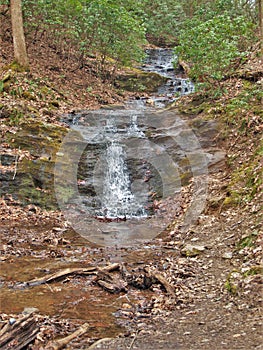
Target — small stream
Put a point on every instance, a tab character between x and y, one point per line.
161	61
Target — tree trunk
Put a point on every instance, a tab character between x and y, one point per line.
260	20
20	52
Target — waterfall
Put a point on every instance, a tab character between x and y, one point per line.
117	199
133	129
161	61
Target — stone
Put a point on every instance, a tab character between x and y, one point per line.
192	250
227	255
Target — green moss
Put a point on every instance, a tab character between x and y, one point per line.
16	67
231	288
64	194
247	241
254	270
35	181
28	96
233	281
44	90
234	198
195	109
246	181
38	138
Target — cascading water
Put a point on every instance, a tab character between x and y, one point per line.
161	61
133	129
117	199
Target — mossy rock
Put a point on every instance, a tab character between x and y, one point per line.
25	187
138	81
34	181
38	138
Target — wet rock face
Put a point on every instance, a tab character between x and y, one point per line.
162	151
161	132
31	180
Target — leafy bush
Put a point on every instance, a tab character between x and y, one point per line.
112	31
105	28
211	47
164	19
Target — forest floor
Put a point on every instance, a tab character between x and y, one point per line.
198	288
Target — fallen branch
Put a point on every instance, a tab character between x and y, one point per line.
64	273
160	278
110	268
58	276
112	284
16	162
133	340
63	342
93	346
18	335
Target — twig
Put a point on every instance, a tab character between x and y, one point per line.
16	162
59	275
98	342
133	340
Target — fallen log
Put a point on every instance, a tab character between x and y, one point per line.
63	342
112	284
18	335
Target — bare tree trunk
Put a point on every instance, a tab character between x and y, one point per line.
19	42
260	20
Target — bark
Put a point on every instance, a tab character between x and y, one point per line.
260	19
62	343
19	42
18	335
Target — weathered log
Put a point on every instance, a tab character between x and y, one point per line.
112	284
63	342
18	335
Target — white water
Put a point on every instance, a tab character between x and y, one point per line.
134	130
118	201
117	198
161	61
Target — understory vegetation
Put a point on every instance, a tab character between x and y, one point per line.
213	37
